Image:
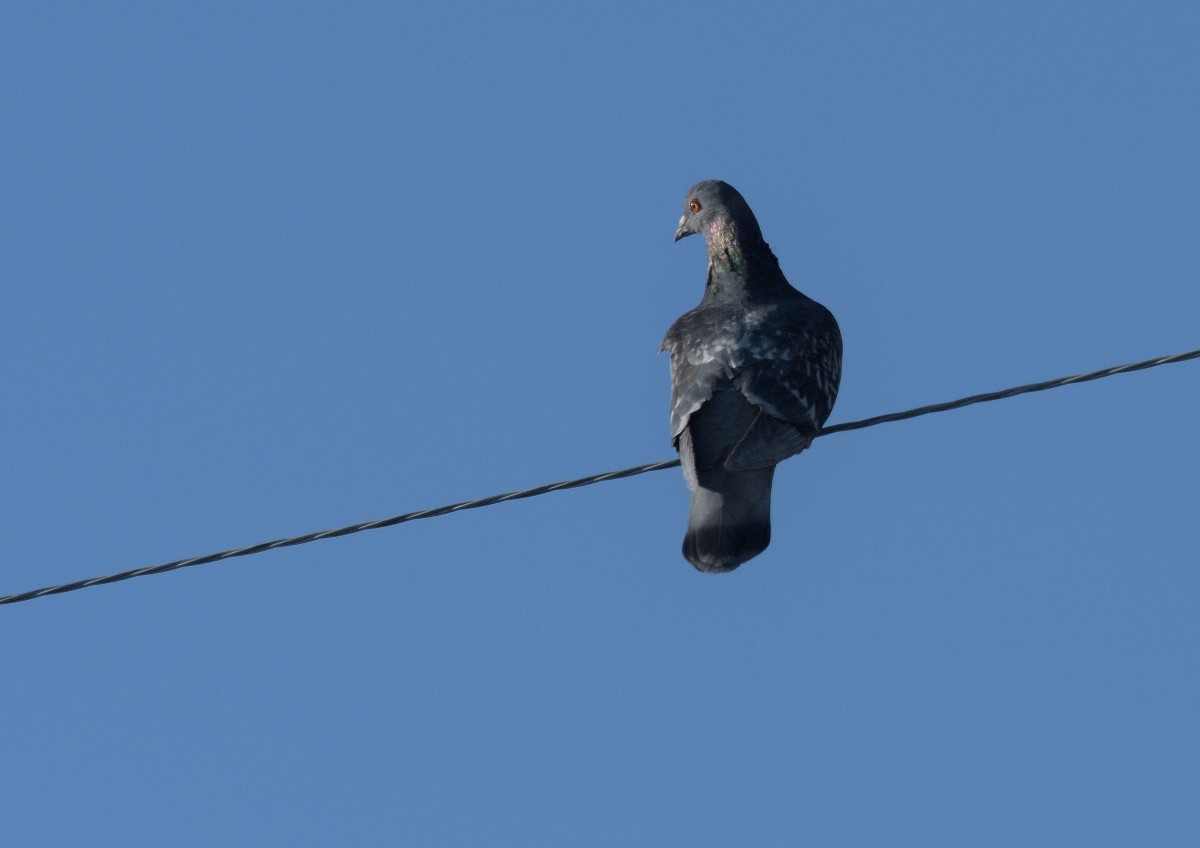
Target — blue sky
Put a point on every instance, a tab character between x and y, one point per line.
273	268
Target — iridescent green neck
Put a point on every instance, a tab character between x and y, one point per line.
739	264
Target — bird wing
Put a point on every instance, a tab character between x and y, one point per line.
700	344
767	442
793	378
787	364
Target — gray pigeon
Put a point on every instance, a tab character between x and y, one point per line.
754	370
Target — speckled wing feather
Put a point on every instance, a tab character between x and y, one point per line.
793	378
700	343
785	358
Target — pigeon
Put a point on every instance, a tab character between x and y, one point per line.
754	372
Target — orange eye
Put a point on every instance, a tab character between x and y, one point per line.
694	206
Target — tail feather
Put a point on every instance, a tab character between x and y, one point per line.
730	519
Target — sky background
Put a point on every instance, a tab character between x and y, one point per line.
273	268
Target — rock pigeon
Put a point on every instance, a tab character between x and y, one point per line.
754	371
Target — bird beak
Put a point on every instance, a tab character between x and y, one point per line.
683	230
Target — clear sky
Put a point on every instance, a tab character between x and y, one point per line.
269	268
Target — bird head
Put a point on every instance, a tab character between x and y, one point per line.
712	204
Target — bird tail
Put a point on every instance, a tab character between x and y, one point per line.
730	519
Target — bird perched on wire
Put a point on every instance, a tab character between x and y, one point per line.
754	371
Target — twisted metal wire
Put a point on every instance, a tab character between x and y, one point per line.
579	482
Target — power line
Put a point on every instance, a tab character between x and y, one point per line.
1004	393
577	483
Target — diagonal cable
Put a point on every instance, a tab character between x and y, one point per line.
579	482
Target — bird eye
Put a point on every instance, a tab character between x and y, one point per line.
694	206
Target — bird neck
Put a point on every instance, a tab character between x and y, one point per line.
740	264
